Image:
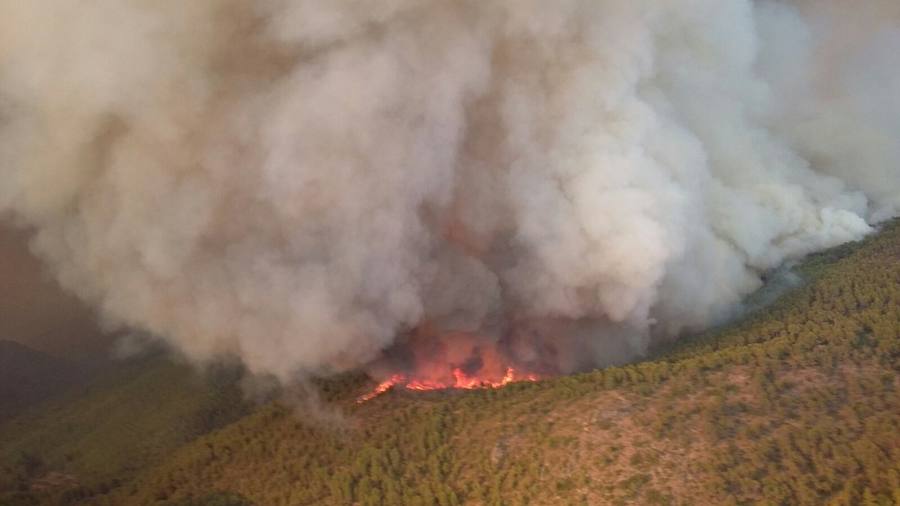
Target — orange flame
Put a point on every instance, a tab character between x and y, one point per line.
382	387
461	380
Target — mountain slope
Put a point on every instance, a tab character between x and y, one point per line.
28	376
101	434
799	403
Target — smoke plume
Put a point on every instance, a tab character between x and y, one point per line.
306	183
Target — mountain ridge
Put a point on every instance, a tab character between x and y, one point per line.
795	404
28	376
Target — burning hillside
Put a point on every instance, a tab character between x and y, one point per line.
461	380
449	361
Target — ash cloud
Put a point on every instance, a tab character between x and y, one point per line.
299	182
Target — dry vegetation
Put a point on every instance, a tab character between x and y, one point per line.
796	405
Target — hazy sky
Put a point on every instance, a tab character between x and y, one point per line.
35	311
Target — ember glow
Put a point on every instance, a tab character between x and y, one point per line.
461	380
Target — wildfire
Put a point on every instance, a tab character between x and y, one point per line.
461	380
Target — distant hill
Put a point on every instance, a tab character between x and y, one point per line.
100	434
28	376
797	404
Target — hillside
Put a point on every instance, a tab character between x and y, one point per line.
98	436
798	403
28	376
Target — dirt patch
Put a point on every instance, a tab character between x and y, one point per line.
54	480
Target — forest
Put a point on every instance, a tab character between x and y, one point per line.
796	403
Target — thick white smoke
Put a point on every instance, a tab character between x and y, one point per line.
298	182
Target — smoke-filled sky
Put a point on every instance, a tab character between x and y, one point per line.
300	183
34	311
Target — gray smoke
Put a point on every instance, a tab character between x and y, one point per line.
300	182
